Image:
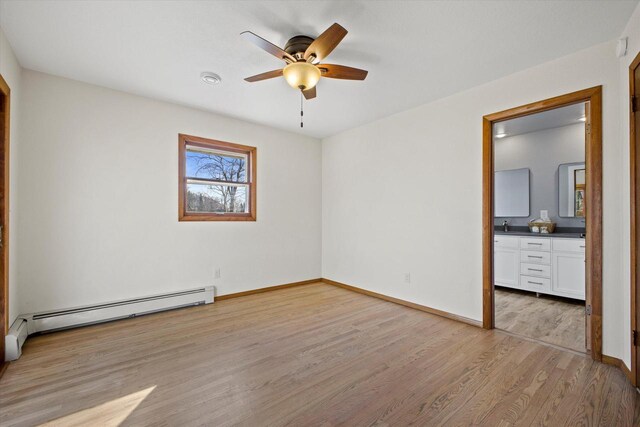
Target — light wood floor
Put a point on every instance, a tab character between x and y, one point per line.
549	319
306	356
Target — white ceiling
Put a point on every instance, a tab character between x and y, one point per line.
415	51
555	118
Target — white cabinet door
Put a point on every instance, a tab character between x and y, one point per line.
569	275
506	267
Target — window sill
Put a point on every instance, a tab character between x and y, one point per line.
216	217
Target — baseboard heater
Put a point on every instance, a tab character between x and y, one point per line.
50	321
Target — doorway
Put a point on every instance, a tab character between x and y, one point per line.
4	216
572	256
634	156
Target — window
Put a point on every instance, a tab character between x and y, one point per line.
217	180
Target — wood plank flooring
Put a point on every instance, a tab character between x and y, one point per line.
310	355
545	318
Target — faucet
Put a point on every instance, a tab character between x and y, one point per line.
505	225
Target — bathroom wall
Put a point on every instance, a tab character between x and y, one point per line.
542	152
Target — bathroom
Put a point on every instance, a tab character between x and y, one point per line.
539	250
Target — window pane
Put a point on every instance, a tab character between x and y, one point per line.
203	164
216	198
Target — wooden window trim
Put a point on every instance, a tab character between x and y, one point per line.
251	152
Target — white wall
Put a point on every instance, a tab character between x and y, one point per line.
632	31
542	152
11	72
98	191
404	193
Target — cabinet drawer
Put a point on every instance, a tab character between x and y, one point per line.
535	284
535	244
537	270
569	245
507	242
534	257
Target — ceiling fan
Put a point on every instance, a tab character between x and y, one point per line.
303	55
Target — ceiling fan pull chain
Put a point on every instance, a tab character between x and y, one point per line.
301	111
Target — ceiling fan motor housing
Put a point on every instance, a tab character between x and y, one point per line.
297	45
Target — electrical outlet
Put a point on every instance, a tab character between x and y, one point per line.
216	274
407	277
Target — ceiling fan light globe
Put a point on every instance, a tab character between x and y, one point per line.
301	75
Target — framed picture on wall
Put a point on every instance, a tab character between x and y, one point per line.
579	192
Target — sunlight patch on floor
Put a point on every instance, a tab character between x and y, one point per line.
111	413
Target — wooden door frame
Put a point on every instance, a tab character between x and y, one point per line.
635	189
4	207
593	159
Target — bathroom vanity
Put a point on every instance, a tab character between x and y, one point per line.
552	264
546	264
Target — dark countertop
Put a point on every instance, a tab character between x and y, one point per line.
530	234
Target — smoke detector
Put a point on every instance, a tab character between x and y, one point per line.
210	78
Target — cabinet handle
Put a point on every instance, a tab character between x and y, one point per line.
539	244
534	269
534	283
582	246
534	256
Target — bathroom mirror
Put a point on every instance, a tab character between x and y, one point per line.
511	189
571	190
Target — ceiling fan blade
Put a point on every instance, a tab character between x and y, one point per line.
267	46
265	76
310	93
333	71
326	42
